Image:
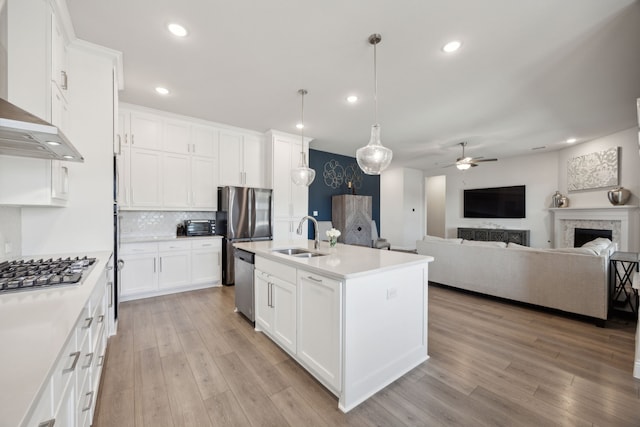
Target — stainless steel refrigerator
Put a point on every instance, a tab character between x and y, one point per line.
244	214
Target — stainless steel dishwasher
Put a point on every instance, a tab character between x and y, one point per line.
245	299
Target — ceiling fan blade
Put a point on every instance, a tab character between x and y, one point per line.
483	160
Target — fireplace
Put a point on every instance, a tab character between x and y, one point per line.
584	235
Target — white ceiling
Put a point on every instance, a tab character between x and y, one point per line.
529	74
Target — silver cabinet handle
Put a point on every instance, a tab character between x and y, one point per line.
101	318
72	368
101	360
120	264
89	321
90	356
154	265
110	285
132	140
90	395
64	80
206	244
160	264
314	279
48	423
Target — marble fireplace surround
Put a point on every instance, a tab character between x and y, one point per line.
621	220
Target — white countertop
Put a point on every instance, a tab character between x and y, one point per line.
34	327
152	239
341	262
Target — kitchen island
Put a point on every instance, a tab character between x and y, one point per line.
354	317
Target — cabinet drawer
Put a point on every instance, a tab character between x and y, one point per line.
285	272
138	248
207	244
63	372
174	246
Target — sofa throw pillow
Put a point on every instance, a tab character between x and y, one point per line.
517	246
428	238
483	243
599	245
583	251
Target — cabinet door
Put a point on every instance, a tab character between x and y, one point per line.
264	311
59	180
175	269
283	302
123	178
59	110
58	55
230	159
282	152
319	326
140	274
145	178
175	179
204	141
299	193
205	265
177	137
204	186
146	131
253	162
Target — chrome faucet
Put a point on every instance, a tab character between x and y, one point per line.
316	244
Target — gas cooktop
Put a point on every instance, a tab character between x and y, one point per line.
39	274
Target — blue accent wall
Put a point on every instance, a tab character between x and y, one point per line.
333	172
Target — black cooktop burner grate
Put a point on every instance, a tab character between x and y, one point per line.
38	274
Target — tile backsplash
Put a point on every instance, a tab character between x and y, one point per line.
10	233
141	224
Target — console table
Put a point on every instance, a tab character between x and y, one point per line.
521	237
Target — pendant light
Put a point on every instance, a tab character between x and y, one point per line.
303	174
374	157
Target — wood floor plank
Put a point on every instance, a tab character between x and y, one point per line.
188	359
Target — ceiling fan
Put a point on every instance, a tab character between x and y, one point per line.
464	163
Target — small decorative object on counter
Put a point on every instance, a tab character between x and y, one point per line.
333	235
618	196
555	199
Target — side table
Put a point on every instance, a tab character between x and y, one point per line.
622	297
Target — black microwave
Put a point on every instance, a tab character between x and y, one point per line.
200	227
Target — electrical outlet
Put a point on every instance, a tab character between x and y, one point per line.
315	213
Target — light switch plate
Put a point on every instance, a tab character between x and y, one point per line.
315	213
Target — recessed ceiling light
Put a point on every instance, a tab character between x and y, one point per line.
352	98
452	46
54	143
177	30
571	140
162	90
66	156
299	126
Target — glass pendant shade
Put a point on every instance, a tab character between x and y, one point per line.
303	174
374	157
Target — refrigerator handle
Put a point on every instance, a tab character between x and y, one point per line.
252	212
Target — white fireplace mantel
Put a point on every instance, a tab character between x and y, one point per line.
626	215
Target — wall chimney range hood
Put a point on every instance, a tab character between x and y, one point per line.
25	135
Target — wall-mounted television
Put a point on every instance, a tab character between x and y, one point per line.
497	202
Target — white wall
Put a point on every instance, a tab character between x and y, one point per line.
538	172
10	233
629	168
542	174
86	224
402	207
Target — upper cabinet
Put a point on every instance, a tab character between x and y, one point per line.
242	160
165	163
59	67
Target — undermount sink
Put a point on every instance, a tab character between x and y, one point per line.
298	252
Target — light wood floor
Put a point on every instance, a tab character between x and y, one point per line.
188	360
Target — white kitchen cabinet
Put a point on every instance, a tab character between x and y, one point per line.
176	137
241	160
319	325
290	201
59	69
159	268
140	272
33	182
174	259
204	141
275	292
204	183
146	177
145	131
176	182
206	257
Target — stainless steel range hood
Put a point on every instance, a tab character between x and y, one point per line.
25	135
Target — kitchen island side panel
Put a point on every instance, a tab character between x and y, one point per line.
385	330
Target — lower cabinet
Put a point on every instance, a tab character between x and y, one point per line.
319	326
301	312
167	267
69	396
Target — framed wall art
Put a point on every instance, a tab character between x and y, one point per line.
594	170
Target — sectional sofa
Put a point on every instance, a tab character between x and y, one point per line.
574	280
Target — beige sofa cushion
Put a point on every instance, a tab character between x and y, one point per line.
428	238
485	244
